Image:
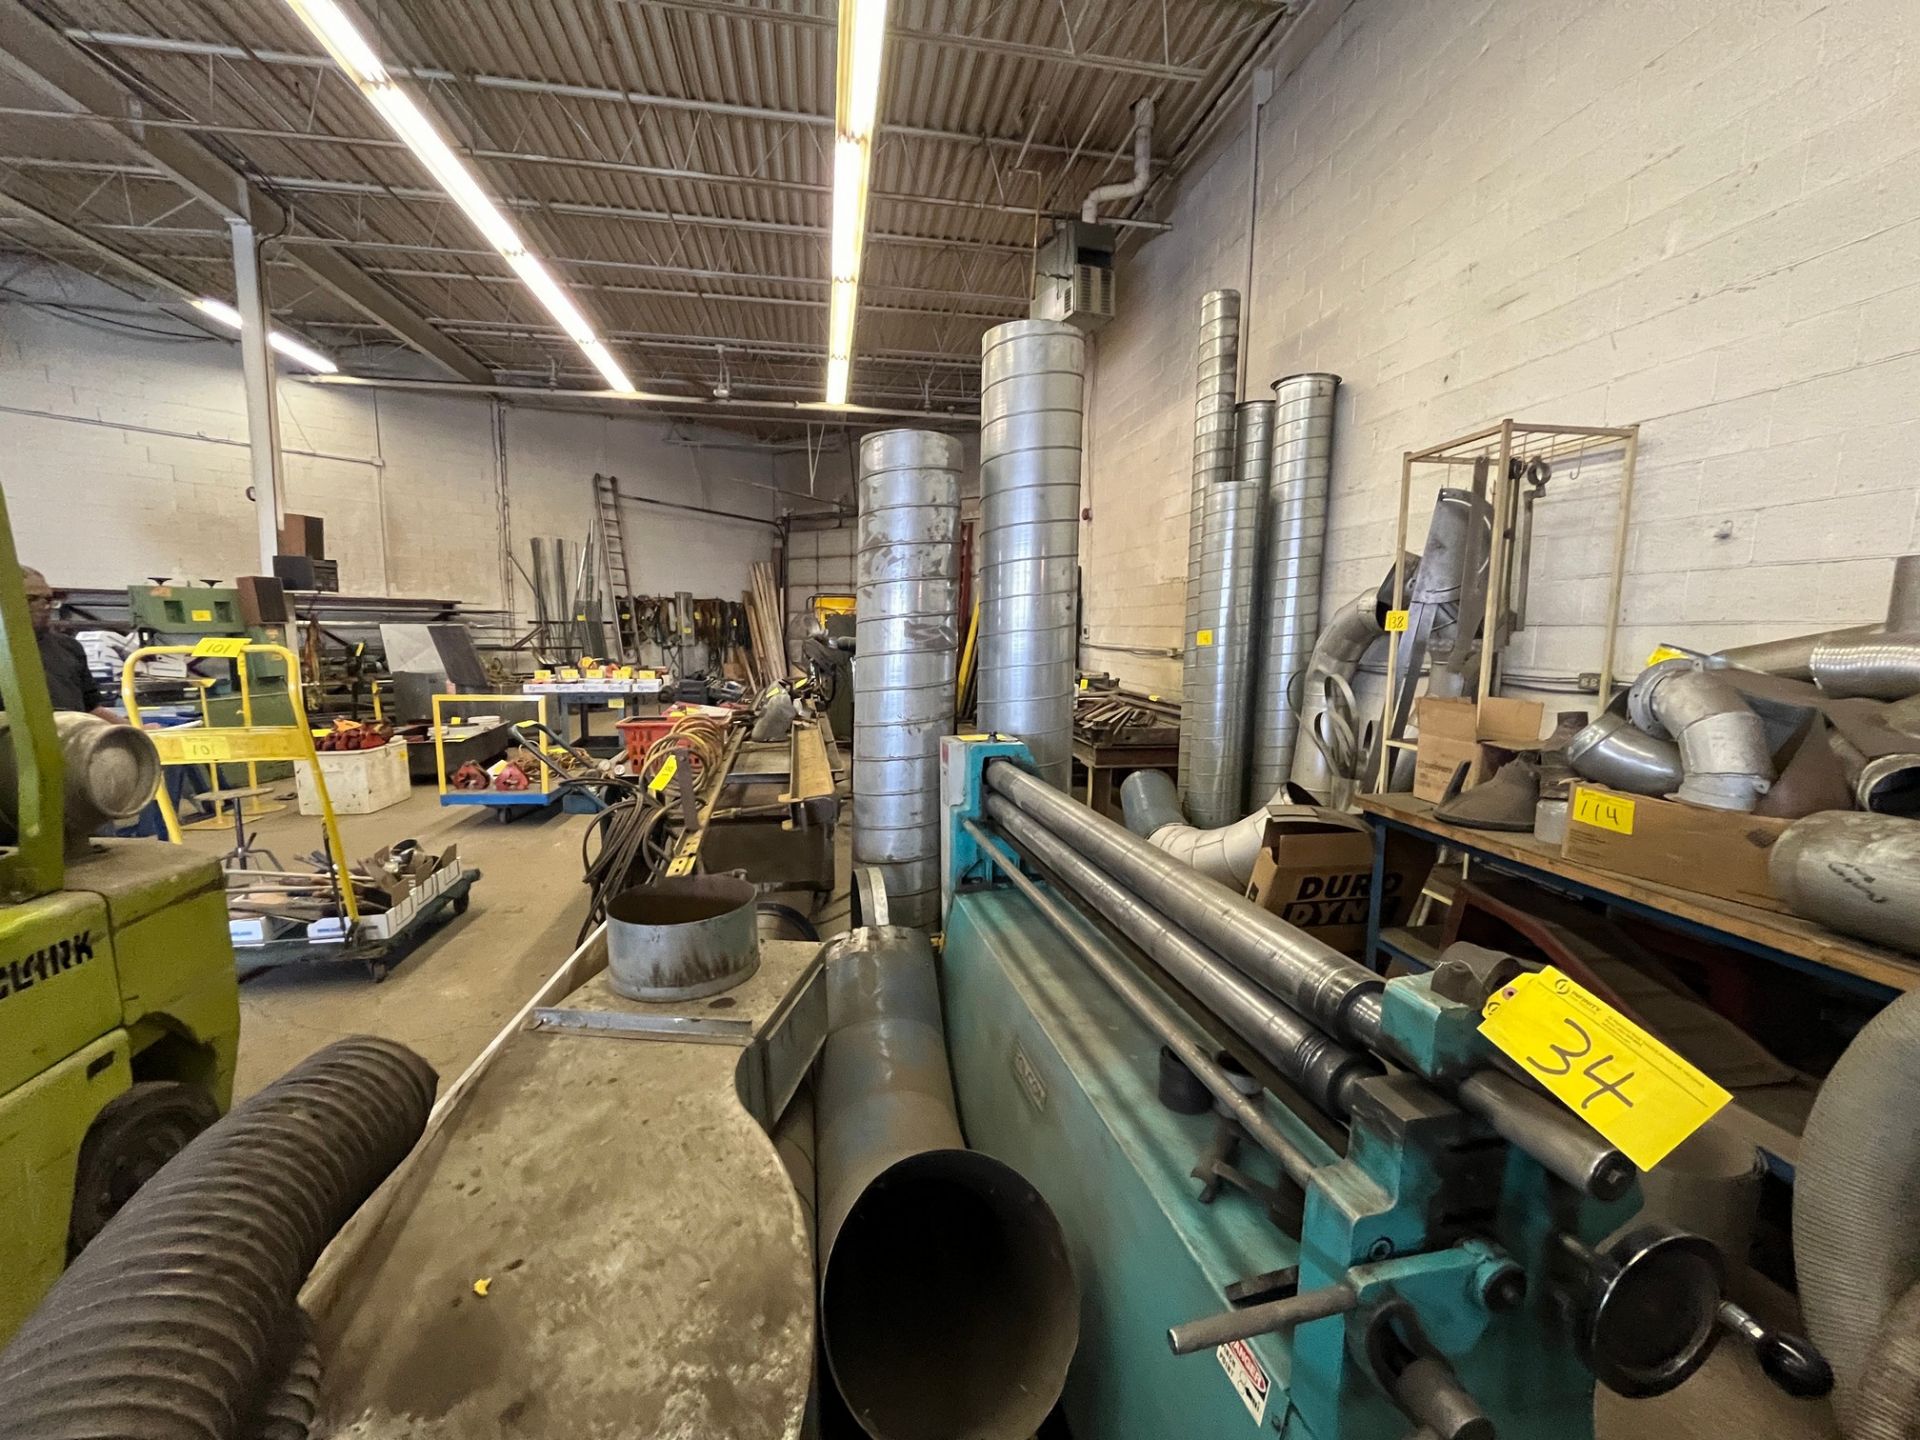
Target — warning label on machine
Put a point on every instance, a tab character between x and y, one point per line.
1244	1370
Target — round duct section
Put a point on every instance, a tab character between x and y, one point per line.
907	589
1032	397
1217	361
1287	619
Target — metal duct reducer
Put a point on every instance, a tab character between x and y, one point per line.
1217	362
1724	755
948	1305
682	938
1288	608
907	584
1032	388
1216	703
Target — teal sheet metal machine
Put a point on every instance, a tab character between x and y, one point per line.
1423	1247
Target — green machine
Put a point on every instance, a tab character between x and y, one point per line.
182	614
119	1008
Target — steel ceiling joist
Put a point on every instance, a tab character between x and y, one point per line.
514	84
66	76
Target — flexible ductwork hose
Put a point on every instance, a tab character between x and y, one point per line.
1889	1397
174	1323
1856	1246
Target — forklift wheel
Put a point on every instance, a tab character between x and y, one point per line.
134	1134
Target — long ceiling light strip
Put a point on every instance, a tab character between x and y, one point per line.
333	28
295	350
863	44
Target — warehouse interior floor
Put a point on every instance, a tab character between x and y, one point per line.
450	996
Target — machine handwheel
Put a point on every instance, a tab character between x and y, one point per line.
134	1134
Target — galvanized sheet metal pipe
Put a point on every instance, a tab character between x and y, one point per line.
1159	1017
1877	667
1852	872
948	1304
1216	704
1217	361
1149	801
1725	761
1321	1068
1032	398
907	588
1288	610
1344	642
1616	753
1903	597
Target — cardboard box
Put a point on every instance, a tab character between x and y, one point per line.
1722	853
263	600
303	535
1316	870
1452	731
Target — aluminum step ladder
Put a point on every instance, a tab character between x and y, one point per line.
612	530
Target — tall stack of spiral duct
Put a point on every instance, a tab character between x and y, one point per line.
1216	711
1288	620
1032	383
907	592
1217	359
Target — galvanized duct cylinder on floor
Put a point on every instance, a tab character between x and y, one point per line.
1217	360
1217	699
1032	384
1288	615
907	591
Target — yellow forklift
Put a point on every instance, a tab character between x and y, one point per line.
119	1006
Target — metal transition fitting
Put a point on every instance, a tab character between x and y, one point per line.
948	1304
1724	756
907	582
1032	395
1287	618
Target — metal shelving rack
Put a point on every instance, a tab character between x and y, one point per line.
1500	444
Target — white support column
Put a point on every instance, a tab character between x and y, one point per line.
263	409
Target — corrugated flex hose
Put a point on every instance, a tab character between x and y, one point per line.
178	1321
1856	1235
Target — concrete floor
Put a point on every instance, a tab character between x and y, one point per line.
452	995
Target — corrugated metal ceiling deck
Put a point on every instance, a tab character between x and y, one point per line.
671	158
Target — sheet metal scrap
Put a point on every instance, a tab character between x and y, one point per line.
1123	716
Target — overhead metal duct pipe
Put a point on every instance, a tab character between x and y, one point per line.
1324	1070
1032	384
1288	609
1217	360
1142	176
907	592
948	1305
1724	756
1876	667
1217	699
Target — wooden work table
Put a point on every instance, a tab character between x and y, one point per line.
1785	939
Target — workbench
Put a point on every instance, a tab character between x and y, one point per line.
1104	759
584	697
1782	939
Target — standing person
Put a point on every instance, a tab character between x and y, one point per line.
70	681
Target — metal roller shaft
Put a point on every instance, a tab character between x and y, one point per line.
1159	1017
907	580
1032	384
1322	1069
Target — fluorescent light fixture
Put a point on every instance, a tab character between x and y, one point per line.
335	29
294	350
863	44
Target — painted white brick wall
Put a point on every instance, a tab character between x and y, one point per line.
116	472
1700	217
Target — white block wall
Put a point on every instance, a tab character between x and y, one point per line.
126	458
1703	217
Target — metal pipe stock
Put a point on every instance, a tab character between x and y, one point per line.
1159	1017
948	1304
907	583
1217	360
1252	1320
1321	1068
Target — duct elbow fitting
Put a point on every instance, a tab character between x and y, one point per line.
1616	754
1724	757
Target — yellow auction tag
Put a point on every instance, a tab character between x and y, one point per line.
568	672
1665	652
220	647
625	672
542	676
1203	637
202	617
1624	1083
1603	811
1083	682
664	777
1396	622
616	704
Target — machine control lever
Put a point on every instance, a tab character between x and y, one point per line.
1252	1320
1790	1361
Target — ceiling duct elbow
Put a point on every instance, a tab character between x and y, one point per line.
1142	166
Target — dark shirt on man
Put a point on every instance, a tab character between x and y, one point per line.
70	682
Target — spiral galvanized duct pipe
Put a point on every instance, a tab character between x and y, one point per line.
947	1301
1032	383
1216	703
176	1322
1217	361
907	588
1287	612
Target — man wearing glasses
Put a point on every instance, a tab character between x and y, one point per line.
69	680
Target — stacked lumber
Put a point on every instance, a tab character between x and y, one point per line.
766	621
